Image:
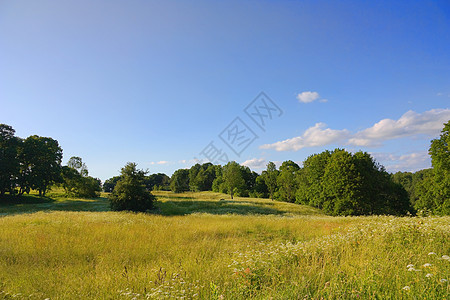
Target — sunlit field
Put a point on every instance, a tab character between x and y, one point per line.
197	246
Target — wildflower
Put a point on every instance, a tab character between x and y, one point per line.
446	257
429	275
406	288
410	266
427	265
443	280
431	253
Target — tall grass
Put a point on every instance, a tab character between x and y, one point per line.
218	255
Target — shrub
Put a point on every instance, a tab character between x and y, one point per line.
130	192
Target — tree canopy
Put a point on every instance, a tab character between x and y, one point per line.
130	192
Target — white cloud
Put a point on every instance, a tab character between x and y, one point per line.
410	162
411	123
161	162
307	97
428	123
255	163
318	135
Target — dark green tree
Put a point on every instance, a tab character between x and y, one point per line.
270	176
260	190
179	182
130	192
109	184
287	182
357	185
40	164
158	181
310	177
201	177
76	182
9	162
77	163
232	177
218	185
434	192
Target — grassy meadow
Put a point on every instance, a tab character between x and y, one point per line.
206	246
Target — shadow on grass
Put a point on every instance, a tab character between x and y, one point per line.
224	207
33	203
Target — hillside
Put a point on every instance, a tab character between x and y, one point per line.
200	246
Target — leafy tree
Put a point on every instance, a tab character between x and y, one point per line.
249	181
286	180
77	163
158	181
76	182
357	185
201	177
260	190
270	176
232	177
9	163
130	192
179	182
71	180
40	164
434	192
90	187
309	178
218	185
109	184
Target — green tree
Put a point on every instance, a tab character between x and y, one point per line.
130	192
232	177
270	176
109	184
77	163
310	179
40	164
249	181
201	177
158	181
287	181
434	192
357	185
179	182
9	162
218	185
260	190
76	182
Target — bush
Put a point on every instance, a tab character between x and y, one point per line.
130	192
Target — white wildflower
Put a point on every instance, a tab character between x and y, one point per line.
443	280
446	257
410	266
429	275
406	288
427	265
431	253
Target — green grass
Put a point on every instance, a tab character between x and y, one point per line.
200	247
55	200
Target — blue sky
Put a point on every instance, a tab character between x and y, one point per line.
155	82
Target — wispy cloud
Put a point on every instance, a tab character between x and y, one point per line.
428	123
161	162
308	97
318	135
410	162
255	163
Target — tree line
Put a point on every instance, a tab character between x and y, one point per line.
338	182
34	163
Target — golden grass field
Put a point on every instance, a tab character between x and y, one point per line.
197	246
